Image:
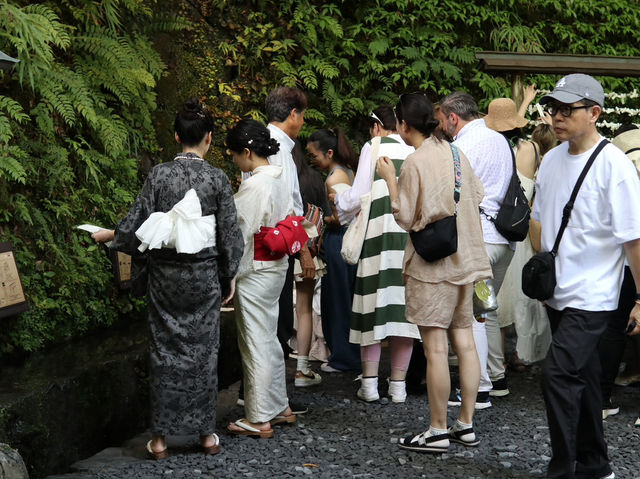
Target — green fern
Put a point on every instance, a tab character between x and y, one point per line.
90	70
10	165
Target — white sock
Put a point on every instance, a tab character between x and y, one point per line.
435	432
303	364
460	426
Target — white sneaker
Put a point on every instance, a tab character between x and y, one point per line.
397	391
368	391
307	379
610	476
325	368
609	409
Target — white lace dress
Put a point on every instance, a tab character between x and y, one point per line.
529	315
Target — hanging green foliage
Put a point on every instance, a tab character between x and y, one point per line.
351	56
92	98
75	115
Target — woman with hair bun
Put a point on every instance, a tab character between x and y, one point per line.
261	201
333	153
188	279
436	182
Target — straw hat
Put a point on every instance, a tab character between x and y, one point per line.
629	142
503	115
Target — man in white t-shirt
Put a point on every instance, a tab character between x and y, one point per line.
489	153
603	226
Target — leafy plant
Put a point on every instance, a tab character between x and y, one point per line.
90	106
75	115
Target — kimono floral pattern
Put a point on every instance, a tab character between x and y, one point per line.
184	295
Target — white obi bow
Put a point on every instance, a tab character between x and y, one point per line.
183	227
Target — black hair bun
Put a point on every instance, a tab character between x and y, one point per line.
192	109
273	146
192	123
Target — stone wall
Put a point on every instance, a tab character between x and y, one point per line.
68	403
11	464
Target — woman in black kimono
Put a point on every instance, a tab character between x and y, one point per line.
185	291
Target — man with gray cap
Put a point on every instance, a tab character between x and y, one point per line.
602	228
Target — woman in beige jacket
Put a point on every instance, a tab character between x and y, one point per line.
439	293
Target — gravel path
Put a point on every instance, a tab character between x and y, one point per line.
341	437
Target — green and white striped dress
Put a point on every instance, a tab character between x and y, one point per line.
378	309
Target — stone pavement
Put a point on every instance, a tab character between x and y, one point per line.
341	437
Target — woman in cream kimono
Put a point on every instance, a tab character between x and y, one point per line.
260	201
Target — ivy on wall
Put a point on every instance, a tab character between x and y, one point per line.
351	56
75	116
90	106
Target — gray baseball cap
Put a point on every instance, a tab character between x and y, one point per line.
576	87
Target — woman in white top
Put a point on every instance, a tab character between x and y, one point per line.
333	153
529	316
378	311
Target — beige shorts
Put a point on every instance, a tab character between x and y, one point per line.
440	305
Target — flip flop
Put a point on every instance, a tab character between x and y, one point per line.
291	418
249	430
215	449
156	455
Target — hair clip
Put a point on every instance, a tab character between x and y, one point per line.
375	117
250	142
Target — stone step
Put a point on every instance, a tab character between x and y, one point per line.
74	400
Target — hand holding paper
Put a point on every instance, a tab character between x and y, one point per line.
98	233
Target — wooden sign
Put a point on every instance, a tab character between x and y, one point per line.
12	299
121	263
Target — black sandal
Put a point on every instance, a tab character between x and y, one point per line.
423	443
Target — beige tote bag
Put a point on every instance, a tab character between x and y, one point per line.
354	236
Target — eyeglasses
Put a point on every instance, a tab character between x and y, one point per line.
564	110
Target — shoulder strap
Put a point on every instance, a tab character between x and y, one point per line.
458	174
513	158
535	150
566	211
513	173
375	147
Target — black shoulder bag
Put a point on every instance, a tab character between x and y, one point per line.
539	273
512	220
439	239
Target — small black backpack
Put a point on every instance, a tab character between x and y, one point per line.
512	220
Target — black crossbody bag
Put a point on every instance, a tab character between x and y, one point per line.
512	220
439	239
539	273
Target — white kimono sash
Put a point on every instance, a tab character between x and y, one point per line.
183	227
